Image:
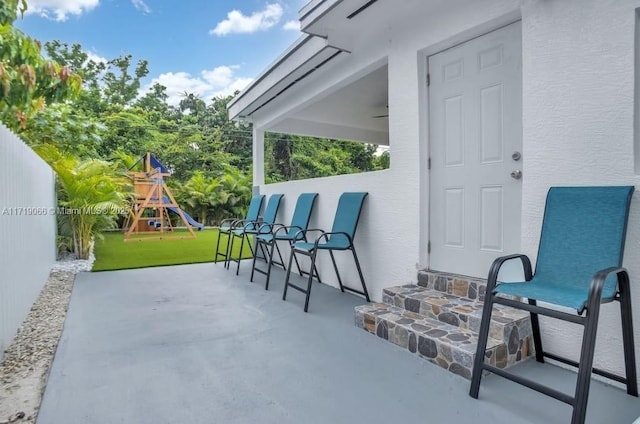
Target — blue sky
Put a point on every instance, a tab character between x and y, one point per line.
209	47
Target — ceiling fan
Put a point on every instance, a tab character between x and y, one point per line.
386	115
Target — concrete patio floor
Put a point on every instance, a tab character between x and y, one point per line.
196	344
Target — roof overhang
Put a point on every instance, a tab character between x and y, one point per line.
301	59
280	99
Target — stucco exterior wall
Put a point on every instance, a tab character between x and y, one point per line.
578	129
578	95
381	234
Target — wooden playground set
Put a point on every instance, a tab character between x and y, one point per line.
149	216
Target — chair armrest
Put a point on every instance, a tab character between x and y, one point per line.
326	237
286	229
597	283
266	228
497	264
244	223
303	233
228	220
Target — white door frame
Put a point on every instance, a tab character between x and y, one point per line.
425	178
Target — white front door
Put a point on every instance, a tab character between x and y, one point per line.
475	136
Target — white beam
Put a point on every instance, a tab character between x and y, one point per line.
258	156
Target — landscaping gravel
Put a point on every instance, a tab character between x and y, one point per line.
26	363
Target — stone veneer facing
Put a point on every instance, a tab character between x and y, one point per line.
441	326
459	285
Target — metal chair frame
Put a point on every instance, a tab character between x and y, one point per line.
271	234
313	252
246	228
228	224
589	322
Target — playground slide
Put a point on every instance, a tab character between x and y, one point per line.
190	220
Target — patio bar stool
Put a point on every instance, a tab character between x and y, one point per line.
271	234
579	266
340	237
229	224
244	228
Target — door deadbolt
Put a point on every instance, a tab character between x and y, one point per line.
516	156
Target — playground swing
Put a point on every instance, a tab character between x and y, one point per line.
153	202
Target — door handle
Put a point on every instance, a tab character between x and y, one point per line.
516	174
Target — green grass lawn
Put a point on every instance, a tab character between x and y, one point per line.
114	253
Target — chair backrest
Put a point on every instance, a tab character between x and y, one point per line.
271	210
254	207
347	217
583	231
302	212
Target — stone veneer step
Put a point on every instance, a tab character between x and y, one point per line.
450	347
508	325
460	285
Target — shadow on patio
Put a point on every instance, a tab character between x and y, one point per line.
196	344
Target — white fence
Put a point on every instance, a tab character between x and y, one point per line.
27	231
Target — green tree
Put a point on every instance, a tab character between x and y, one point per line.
91	192
67	128
127	129
121	87
202	195
238	188
155	100
28	81
78	61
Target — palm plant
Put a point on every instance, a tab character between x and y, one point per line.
238	185
200	194
91	194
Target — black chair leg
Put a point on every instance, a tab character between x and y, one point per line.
535	328
333	260
313	266
297	263
483	336
230	242
253	262
220	234
586	364
284	267
274	245
627	334
286	279
240	254
217	246
253	252
364	287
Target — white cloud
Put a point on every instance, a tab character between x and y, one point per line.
237	23
60	10
96	58
293	25
141	6
220	81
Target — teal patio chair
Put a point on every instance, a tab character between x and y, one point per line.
253	212
271	234
245	228
340	237
578	267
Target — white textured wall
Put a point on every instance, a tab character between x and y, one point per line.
578	115
382	229
392	236
578	95
27	241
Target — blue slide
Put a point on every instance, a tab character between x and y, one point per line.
188	217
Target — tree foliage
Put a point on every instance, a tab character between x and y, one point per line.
27	80
102	115
91	195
